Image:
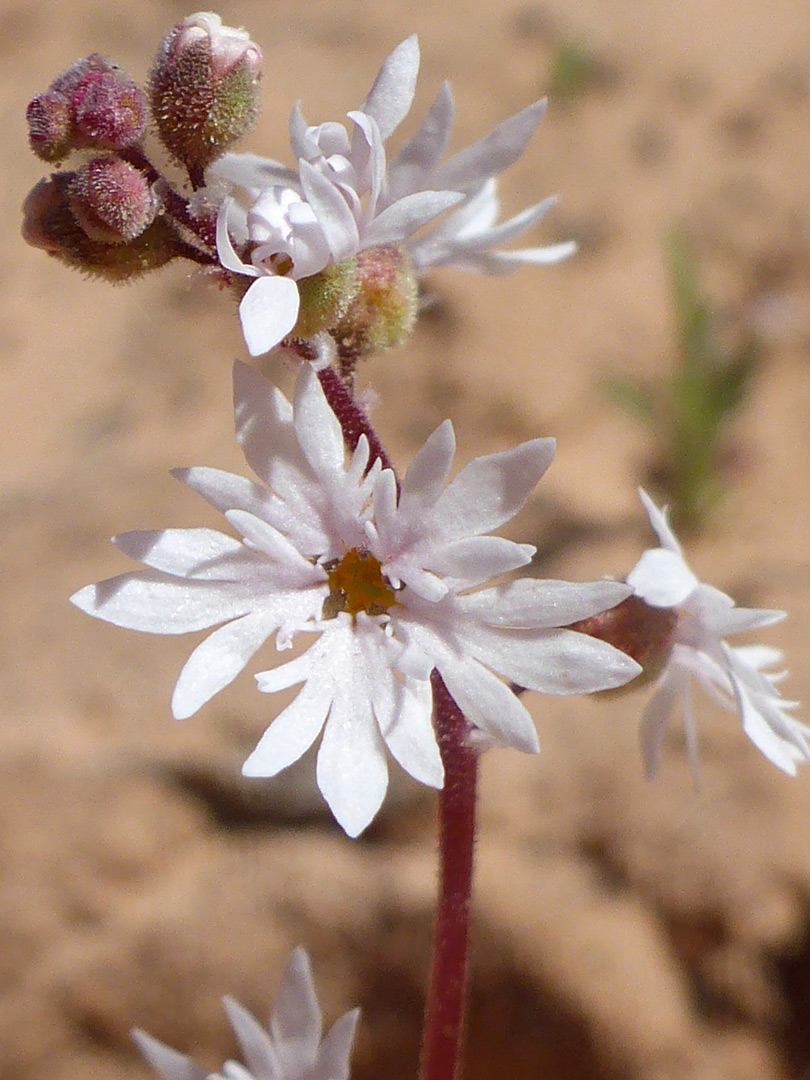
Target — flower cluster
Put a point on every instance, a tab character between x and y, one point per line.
342	199
293	1047
736	676
390	581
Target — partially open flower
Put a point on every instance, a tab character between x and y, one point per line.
281	225
735	676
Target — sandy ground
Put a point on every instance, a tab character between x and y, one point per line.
623	930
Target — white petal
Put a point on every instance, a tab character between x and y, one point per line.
476	559
352	772
218	660
225	249
263	421
409	734
491	490
148	601
408	214
268	312
654	721
292	732
318	429
169	1063
296	1022
489	704
659	519
193	553
260	1056
296	570
389	99
290	674
492	154
481	239
552	661
332	211
537	603
661	578
336	1048
738	620
224	490
497	263
422	153
429	469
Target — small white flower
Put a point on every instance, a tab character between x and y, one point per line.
293	1047
342	199
382	578
733	676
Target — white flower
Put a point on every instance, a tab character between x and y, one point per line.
341	199
291	1049
383	580
733	676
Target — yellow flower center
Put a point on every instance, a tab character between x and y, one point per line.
356	583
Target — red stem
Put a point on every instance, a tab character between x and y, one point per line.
444	1014
352	417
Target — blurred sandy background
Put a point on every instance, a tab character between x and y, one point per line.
622	930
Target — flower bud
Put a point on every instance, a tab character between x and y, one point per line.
109	111
383	312
92	105
643	632
204	89
50	126
49	224
325	297
112	201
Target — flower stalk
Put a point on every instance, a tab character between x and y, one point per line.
447	989
351	416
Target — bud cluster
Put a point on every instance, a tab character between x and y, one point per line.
115	215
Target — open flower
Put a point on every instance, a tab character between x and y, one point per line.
290	224
735	676
382	577
293	1047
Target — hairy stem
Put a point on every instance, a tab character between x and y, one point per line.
352	417
444	1013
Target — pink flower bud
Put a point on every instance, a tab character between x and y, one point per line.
50	126
109	111
92	105
49	224
204	90
112	201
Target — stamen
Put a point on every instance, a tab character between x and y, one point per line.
357	584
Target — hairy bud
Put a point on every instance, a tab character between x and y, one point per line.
383	311
110	111
204	89
49	223
325	297
643	632
50	126
111	200
93	105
